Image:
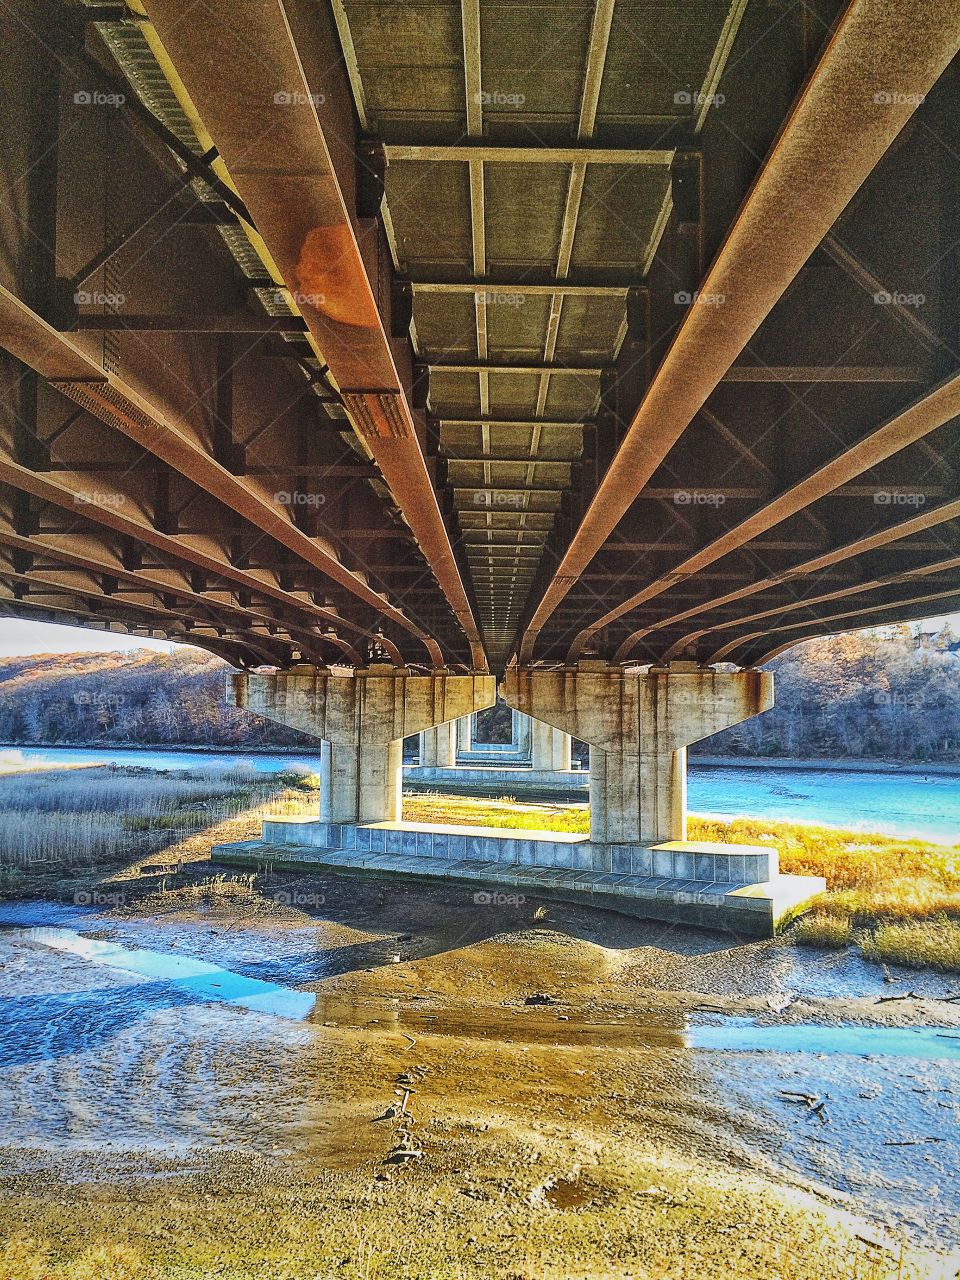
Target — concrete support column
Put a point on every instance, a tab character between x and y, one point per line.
550	748
438	747
362	719
638	799
523	735
361	784
464	733
638	727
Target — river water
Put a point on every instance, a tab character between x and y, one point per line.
890	801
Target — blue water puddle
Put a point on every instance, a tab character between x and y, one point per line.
197	980
184	980
741	1036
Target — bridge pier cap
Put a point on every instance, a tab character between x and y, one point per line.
362	719
378	703
638	726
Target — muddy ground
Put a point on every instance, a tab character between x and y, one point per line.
480	1090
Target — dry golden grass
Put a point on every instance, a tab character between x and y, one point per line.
102	814
819	929
24	1259
873	881
933	944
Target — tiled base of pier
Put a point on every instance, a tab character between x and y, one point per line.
735	887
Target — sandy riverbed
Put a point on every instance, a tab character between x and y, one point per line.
580	1138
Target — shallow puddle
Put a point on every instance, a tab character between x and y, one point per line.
567	1193
195	979
739	1036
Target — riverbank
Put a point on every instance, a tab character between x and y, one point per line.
895	803
947	768
497	1092
895	900
566	1123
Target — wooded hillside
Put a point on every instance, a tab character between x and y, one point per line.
140	697
872	694
869	694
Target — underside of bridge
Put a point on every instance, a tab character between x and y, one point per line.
467	335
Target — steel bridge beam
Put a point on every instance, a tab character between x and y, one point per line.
878	66
279	156
96	558
918	606
860	546
919	420
25	335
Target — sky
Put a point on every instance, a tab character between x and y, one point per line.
19	638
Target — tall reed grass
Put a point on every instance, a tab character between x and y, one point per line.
102	814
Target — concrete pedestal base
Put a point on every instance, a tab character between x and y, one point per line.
716	886
493	780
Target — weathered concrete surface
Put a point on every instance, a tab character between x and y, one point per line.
362	719
638	726
730	887
551	748
438	746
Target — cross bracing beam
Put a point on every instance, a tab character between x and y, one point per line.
511	422
524	286
495	366
505	153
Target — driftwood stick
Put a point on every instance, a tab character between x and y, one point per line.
910	1142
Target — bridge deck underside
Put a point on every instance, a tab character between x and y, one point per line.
556	182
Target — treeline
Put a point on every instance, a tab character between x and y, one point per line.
883	694
139	697
889	694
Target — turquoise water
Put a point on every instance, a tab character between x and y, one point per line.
891	801
190	979
738	1036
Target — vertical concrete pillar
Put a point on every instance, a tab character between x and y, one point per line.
638	799
362	719
550	748
361	784
464	734
638	727
523	735
438	747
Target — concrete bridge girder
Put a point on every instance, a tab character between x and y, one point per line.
638	727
